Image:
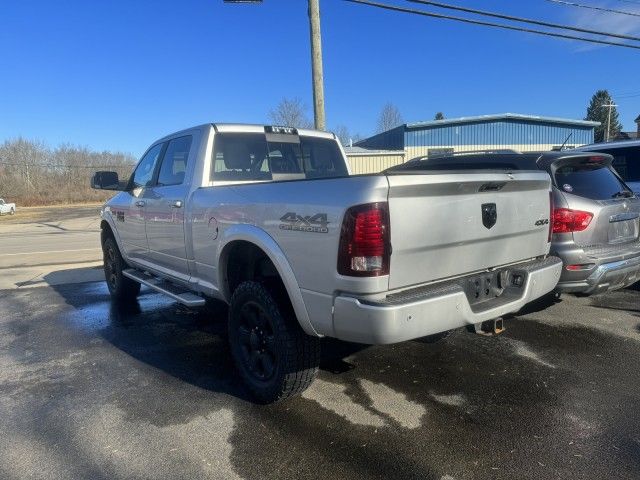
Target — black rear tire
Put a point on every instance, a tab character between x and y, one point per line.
121	288
274	356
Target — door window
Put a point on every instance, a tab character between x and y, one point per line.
143	175
174	162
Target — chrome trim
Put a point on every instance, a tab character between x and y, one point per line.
621	217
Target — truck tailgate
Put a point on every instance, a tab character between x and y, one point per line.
438	230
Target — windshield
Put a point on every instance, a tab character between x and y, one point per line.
596	182
263	157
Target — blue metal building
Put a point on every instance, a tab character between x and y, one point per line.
486	132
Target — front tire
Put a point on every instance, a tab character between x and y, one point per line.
274	356
121	288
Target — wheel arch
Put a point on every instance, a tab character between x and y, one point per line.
108	230
249	236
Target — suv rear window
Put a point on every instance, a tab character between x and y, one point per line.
251	157
596	182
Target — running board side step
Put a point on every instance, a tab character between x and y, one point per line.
184	297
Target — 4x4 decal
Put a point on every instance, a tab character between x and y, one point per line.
309	223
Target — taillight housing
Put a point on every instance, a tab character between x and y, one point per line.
365	246
550	217
566	220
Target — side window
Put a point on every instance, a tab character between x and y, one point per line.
143	174
240	157
174	162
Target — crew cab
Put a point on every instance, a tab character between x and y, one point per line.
7	208
268	220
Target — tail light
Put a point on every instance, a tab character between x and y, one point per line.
550	217
365	245
567	221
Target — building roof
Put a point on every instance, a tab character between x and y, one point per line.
367	151
502	116
626	136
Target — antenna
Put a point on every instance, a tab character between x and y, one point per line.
565	141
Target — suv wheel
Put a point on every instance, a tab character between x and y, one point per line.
12	212
274	356
121	288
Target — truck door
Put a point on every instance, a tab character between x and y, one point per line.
165	213
131	218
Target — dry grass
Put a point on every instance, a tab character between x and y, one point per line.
51	213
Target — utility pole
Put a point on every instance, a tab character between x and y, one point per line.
316	60
316	64
609	106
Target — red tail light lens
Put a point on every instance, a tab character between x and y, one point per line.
550	217
567	221
364	241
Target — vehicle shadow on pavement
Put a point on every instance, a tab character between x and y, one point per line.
189	344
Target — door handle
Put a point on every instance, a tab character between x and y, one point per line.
176	204
140	203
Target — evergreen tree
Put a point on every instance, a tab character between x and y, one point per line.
598	113
439	116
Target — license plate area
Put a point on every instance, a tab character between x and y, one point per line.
487	286
623	231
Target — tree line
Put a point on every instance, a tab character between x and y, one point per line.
32	173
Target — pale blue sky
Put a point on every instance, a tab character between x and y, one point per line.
117	74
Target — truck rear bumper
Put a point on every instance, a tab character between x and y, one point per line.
604	277
430	310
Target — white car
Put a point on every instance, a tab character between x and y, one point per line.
7	208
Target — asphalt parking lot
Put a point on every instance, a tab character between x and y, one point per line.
89	390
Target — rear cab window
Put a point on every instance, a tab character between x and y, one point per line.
590	180
251	157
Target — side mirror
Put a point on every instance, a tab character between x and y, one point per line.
106	181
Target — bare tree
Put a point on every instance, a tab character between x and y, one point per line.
346	136
291	112
33	174
389	118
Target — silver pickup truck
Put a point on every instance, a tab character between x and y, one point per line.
269	220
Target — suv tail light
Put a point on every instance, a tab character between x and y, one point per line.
550	217
567	221
365	245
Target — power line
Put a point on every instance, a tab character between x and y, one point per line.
593	7
524	20
490	24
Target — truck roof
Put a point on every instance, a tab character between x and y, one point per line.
248	128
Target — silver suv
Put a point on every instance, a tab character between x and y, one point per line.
595	214
595	223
